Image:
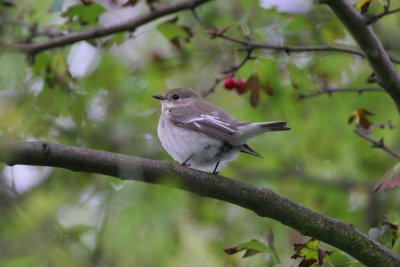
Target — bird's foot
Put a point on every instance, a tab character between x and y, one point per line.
215	169
185	164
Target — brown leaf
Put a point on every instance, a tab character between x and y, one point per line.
176	43
251	247
189	33
351	118
266	87
295	85
310	253
270	238
390	180
255	97
233	249
359	117
252	83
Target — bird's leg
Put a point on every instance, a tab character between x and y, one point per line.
186	161
216	167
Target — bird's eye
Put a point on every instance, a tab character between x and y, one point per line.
175	97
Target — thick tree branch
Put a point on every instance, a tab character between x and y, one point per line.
131	25
262	201
379	60
330	91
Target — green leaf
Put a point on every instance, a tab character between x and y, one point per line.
116	39
41	62
396	246
338	258
267	69
58	64
174	32
310	252
85	14
56	6
75	232
298	78
252	247
54	69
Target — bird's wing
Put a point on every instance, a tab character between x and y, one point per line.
207	118
210	120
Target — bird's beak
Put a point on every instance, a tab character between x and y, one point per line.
159	97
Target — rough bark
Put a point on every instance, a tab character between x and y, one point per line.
262	201
369	43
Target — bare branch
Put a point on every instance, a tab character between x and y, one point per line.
131	25
376	143
214	33
229	72
375	18
262	201
369	43
298	48
330	91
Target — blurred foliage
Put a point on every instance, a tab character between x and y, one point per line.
80	219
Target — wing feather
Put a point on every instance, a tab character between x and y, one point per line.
217	124
210	120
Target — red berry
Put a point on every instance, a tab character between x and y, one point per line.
229	83
240	86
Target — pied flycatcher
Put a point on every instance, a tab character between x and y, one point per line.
202	136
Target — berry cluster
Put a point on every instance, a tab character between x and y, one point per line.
230	83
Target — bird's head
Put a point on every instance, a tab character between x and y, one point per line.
177	97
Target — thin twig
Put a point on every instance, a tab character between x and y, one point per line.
376	143
235	68
299	48
378	58
230	72
285	48
214	32
375	18
35	34
130	25
330	91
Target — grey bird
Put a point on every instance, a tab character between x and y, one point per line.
202	136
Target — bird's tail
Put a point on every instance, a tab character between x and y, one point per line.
250	130
273	126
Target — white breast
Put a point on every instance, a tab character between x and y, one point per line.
182	143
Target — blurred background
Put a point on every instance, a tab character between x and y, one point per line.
97	94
